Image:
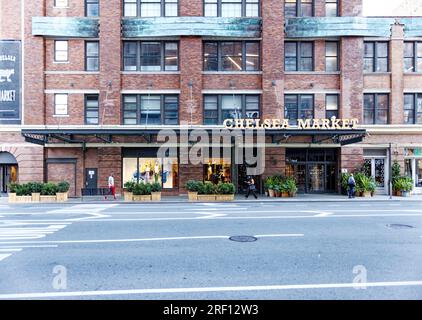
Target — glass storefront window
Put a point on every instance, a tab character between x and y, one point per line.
150	170
218	170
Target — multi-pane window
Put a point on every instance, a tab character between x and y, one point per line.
231	8
61	3
150	56
298	8
231	56
375	108
92	8
298	106
218	108
60	104
61	51
299	56
413	108
150	8
150	109
376	57
92	113
413	57
331	105
331	8
92	56
331	56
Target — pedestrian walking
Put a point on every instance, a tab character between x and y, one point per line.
251	187
111	186
351	183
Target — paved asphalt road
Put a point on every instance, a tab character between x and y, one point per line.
332	250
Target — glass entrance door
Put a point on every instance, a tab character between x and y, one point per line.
315	170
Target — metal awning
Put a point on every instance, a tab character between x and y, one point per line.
107	135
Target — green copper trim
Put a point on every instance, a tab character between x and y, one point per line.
191	26
65	27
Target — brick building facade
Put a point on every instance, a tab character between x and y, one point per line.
100	78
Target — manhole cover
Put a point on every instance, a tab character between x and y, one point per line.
399	226
243	238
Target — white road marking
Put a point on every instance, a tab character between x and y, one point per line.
12	233
93	210
143	239
56	294
46	246
4	256
279	235
320	213
10	250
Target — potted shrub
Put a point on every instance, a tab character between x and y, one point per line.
291	186
141	192
225	192
48	192
277	190
345	183
207	191
284	189
23	193
156	191
36	188
372	187
62	191
404	186
193	187
365	185
269	185
12	192
395	168
128	190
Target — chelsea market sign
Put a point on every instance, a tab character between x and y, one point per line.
302	124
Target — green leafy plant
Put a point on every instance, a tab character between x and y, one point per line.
129	186
35	187
147	189
269	183
395	174
49	189
207	188
404	184
13	186
139	189
23	189
345	181
156	187
226	188
63	187
290	185
193	185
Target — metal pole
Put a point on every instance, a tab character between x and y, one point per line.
390	169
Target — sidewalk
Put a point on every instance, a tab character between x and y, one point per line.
242	199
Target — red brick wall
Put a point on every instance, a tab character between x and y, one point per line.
272	58
110	161
10	19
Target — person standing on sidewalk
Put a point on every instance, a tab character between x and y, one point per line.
251	187
351	183
111	186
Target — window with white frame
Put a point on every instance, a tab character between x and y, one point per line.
231	8
331	8
61	51
150	8
60	104
331	105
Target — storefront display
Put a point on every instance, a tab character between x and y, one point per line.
218	170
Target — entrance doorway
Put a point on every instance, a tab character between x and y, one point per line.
8	171
91	178
315	170
376	166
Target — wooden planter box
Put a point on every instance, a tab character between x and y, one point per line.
12	197
35	197
128	196
48	199
23	199
156	196
62	196
206	197
143	198
192	196
224	197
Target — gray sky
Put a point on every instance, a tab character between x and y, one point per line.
392	7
